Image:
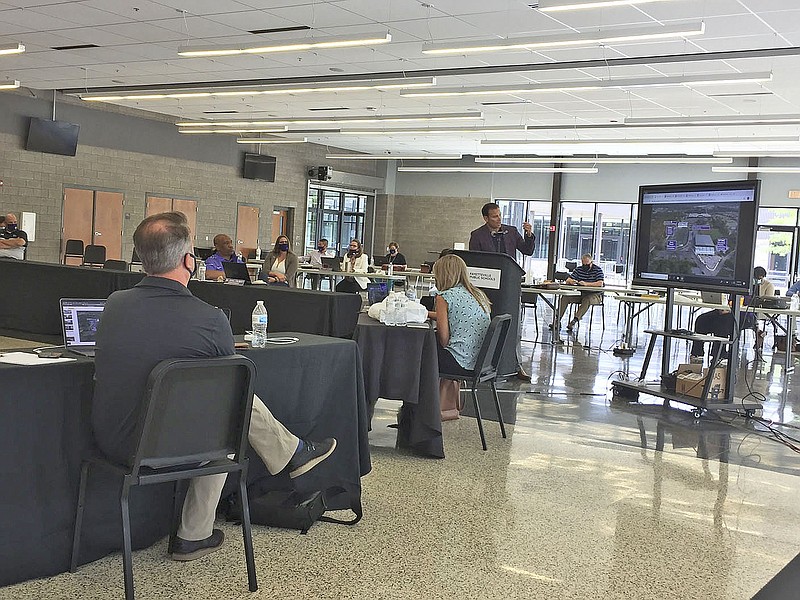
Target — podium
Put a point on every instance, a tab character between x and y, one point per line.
499	268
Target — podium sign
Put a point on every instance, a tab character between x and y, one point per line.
484	278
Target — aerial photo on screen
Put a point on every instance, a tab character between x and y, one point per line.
694	239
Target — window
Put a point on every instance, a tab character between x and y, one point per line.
337	216
537	213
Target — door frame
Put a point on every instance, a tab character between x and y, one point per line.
794	252
236	230
94	190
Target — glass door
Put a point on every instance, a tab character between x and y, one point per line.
776	251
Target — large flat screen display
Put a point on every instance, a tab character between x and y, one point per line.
53	137
259	166
697	236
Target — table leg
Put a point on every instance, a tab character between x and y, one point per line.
789	364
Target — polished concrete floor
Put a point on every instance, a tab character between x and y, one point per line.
585	499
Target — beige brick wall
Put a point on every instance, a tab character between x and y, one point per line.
34	182
420	224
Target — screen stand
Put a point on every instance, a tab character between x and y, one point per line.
669	308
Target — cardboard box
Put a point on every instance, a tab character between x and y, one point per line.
692	378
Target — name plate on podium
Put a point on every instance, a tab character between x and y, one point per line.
484	278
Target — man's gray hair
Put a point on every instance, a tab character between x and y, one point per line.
161	241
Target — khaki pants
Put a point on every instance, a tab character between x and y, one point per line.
585	301
274	444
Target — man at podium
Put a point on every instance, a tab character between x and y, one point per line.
493	236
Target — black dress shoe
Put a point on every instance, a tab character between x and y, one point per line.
185	550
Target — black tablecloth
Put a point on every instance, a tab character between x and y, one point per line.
33	307
313	386
401	363
321	313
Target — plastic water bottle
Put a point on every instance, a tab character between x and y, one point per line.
258	252
402	317
390	270
390	312
260	320
411	294
201	270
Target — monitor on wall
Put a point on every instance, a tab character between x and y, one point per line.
259	166
697	235
53	137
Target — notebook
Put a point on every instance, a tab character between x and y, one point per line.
79	320
236	271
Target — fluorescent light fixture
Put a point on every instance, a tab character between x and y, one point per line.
755	169
307	88
12	49
393	156
435	130
621	160
596	84
9	85
717	120
562	5
229	131
342	41
709	140
453	116
584	170
269	141
587	38
759	154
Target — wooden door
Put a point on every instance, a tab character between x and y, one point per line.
246	229
280	223
155	205
189	208
108	222
76	219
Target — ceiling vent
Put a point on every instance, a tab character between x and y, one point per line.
76	47
280	29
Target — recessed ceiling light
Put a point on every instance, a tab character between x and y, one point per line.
563	5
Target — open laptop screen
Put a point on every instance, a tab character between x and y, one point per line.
79	321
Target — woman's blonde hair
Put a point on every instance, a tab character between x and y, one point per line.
451	270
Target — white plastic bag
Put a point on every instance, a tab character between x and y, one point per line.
415	312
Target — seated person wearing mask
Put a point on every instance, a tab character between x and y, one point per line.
315	259
282	264
462	318
587	274
719	321
179	326
223	246
13	240
394	257
355	262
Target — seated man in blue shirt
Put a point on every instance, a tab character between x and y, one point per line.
223	246
794	289
586	274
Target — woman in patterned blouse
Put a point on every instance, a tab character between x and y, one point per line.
462	318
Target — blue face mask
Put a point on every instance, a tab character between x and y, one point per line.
283	247
11	227
321	248
392	250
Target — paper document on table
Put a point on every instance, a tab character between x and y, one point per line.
28	358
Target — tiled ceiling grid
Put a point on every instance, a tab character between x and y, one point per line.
138	42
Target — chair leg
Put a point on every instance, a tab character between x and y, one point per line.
603	315
177	512
247	532
127	558
76	534
499	411
478	414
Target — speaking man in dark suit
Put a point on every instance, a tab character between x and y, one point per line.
505	239
496	237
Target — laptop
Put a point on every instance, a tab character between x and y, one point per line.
377	292
379	261
236	271
331	263
79	320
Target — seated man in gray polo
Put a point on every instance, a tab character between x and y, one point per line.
13	240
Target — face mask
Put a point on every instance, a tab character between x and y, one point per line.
283	247
194	262
10	227
321	248
392	250
352	252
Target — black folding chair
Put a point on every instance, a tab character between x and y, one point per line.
116	265
196	414
486	369
94	255
73	249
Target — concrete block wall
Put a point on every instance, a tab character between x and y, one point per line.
430	223
34	182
